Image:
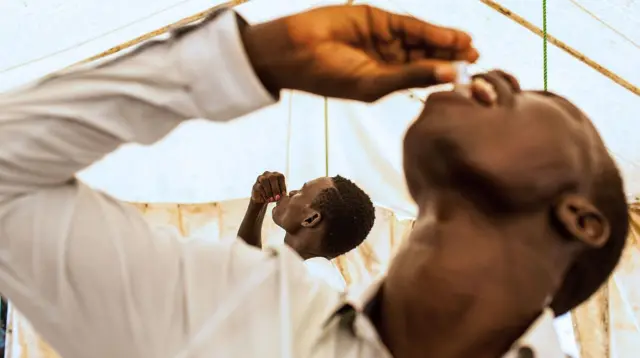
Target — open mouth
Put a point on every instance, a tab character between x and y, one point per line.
479	91
277	205
283	198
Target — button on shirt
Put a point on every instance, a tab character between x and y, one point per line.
90	274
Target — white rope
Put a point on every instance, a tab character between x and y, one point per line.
604	23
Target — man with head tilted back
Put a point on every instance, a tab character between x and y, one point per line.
521	209
323	219
522	215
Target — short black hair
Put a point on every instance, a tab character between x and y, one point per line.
349	214
594	266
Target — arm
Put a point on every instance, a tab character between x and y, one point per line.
85	269
251	227
62	124
268	188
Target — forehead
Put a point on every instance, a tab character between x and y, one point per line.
315	186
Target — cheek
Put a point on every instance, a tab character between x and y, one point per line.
434	147
519	155
291	211
523	171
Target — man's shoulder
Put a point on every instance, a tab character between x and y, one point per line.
270	288
313	299
323	269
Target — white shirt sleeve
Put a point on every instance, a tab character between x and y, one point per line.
85	269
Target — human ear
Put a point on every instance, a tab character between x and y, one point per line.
579	218
311	218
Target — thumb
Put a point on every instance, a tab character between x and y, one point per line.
413	75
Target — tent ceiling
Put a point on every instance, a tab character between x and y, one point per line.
44	35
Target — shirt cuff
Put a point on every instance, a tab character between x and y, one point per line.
220	77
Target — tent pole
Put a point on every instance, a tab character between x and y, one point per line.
287	170
544	44
186	21
563	46
326	136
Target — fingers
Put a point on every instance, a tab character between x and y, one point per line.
258	193
271	186
418	54
423	34
274	182
389	78
282	185
418	30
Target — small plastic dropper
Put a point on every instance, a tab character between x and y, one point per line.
464	78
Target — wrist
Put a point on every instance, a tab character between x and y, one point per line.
261	43
257	205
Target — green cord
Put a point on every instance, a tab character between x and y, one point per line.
544	43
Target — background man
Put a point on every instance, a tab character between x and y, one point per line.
325	218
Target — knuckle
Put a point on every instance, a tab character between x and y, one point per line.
370	96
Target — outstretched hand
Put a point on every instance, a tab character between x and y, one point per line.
354	52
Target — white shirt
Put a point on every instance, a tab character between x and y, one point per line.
323	269
90	274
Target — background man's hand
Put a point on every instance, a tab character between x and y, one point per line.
354	52
269	187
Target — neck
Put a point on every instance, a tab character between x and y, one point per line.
475	330
471	290
303	243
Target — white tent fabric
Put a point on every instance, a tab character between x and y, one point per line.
304	135
61	33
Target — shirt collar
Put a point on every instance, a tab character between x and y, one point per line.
541	338
360	295
356	299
